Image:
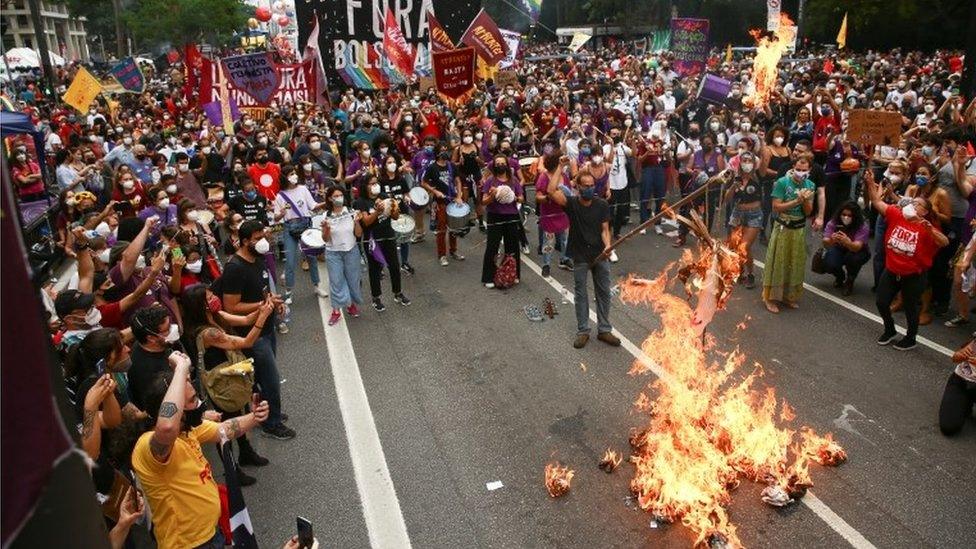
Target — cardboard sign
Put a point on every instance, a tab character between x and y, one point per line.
506	78
867	127
83	90
255	74
425	83
453	72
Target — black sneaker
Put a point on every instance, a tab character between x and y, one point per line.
378	305
545	271
905	344
245	479
750	281
887	338
402	300
408	268
279	432
566	264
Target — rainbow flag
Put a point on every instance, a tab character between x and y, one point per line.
353	74
535	9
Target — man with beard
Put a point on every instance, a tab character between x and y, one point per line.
175	475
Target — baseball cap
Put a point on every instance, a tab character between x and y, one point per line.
72	300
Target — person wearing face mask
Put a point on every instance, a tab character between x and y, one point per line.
393	184
746	133
360	167
265	174
786	255
294	207
129	194
911	243
187	184
27	177
801	128
129	269
443	185
377	211
744	194
503	218
163	209
653	182
846	240
78	315
589	238
72	172
251	204
172	470
208	163
775	161
467	158
155	337
319	160
952	177
208	339
341	229
247	282
826	125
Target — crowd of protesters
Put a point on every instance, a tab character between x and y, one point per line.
188	237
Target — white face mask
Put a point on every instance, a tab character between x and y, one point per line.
408	118
262	246
263	141
800	175
746	126
714	126
338	201
93	317
174	333
193	215
846	219
315	145
103	229
127	141
128	184
876	103
195	267
293	178
141	262
171	189
597	159
467	139
479	135
391	167
104	255
206	150
930	108
747	168
374	189
628	123
163	204
778	141
307	166
909	211
184	168
384	150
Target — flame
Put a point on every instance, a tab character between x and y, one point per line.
769	50
610	460
558	479
711	423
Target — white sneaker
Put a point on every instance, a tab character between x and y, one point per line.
642	231
526	250
489	285
443	261
320	291
658	230
613	256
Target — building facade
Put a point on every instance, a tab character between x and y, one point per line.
65	34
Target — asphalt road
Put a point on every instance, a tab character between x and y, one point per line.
463	391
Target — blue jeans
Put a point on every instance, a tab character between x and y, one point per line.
292	251
404	253
559	241
344	277
601	284
266	375
838	258
216	542
653	188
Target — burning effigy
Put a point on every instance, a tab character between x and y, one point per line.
711	425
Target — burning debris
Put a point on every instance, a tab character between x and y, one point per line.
611	460
770	47
710	424
558	479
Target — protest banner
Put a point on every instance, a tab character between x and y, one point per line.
255	74
512	41
425	83
395	46
485	37
868	127
129	75
439	39
82	91
298	84
773	8
579	40
453	72
689	43
351	34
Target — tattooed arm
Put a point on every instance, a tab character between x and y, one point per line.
236	427
92	419
170	414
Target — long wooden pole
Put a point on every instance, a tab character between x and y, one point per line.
671	207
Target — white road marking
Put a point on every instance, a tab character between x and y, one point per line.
381	508
819	508
866	314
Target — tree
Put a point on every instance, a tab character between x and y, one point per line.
182	21
885	24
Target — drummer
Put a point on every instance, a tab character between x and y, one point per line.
502	195
444	186
394	185
294	206
422	158
380	240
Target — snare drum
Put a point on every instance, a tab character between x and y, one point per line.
457	216
419	198
404	227
528	168
311	242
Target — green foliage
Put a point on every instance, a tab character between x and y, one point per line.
923	24
181	21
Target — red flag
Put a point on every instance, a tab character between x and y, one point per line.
398	52
313	55
453	72
828	66
483	35
192	65
439	39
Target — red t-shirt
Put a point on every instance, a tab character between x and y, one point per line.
111	316
822	127
909	248
266	179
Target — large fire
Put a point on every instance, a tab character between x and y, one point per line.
708	426
769	50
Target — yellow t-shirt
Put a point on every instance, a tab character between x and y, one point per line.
181	493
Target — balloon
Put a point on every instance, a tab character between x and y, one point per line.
263	14
252	23
290	13
283	21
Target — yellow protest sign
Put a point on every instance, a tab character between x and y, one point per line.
867	127
83	90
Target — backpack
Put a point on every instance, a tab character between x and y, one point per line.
505	274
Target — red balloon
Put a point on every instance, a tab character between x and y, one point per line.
283	21
262	14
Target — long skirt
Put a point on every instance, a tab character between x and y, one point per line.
786	259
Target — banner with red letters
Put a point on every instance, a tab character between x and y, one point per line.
453	72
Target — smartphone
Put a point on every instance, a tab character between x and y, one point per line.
305	535
177	253
100	367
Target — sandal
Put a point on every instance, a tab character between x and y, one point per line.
771	306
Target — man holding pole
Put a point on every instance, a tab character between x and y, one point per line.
589	238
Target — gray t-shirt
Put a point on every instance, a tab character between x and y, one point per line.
959	204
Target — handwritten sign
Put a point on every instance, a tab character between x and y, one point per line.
129	75
255	74
425	83
867	127
689	43
83	90
453	72
506	78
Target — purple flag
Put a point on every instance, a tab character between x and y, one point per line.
376	252
212	110
256	74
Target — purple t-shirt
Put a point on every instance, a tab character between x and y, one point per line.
552	217
158	292
861	235
497	207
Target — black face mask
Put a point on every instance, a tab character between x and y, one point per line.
499	169
262	160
